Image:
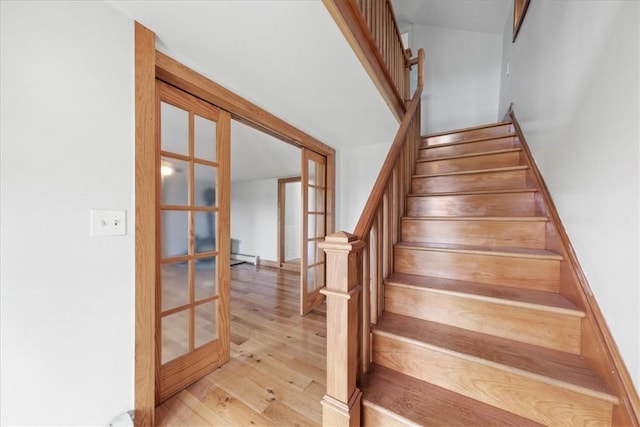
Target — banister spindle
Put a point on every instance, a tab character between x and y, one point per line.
341	404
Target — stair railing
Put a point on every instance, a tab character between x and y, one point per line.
371	29
357	265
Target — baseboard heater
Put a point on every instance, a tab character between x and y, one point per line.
251	259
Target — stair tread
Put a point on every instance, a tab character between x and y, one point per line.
483	250
478	192
480	218
487	126
466	141
427	404
474	171
549	301
467	155
553	366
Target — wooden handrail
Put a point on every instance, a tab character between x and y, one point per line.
356	266
368	213
371	29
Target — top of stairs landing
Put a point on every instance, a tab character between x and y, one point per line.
494	130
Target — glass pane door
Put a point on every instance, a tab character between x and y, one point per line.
314	220
193	281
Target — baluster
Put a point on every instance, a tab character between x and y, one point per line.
395	186
341	404
385	233
365	340
379	272
373	270
380	17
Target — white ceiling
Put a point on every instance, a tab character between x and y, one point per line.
288	57
488	16
256	155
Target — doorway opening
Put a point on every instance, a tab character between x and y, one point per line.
149	66
259	162
289	222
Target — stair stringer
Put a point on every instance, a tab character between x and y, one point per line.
598	345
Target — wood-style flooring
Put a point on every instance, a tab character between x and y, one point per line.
277	371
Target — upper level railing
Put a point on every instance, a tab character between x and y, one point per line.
371	29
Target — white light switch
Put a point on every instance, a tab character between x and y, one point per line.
108	223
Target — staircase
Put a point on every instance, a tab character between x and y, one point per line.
474	329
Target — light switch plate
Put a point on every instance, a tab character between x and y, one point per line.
108	222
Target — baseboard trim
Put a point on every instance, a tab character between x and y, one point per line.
269	263
251	259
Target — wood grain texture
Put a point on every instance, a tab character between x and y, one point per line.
524	232
331	196
477	203
466	147
547	301
276	360
195	361
375	198
489	323
342	293
470	161
389	392
354	26
145	221
521	272
223	130
528	323
494	130
190	81
549	387
477	180
375	415
176	74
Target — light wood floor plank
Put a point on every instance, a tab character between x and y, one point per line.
277	371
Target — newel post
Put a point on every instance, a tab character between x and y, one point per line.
341	404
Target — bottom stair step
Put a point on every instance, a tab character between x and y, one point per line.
394	399
543	385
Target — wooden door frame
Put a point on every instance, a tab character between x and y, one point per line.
282	182
149	65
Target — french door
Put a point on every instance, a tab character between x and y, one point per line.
314	224
192	262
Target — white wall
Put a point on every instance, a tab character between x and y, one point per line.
67	300
292	219
358	169
254	217
574	81
462	77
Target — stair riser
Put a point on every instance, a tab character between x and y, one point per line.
517	272
372	416
547	329
505	204
488	161
514	234
503	180
529	397
467	148
488	132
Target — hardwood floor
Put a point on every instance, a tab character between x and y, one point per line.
277	371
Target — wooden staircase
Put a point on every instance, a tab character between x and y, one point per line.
474	329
